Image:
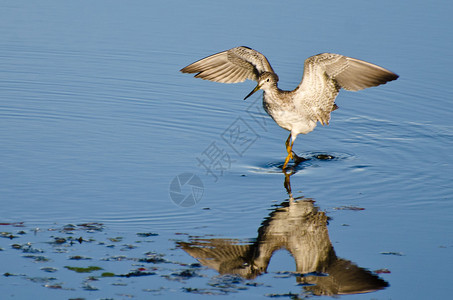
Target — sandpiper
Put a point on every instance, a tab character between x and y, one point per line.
299	110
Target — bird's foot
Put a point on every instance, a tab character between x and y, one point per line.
297	159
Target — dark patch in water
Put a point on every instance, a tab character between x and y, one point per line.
325	157
59	240
8	235
84	270
41	279
153	260
286	295
14	224
392	253
349	207
49	269
116	239
37	258
78	257
136	273
147	234
185	274
360	167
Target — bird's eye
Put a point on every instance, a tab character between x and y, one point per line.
267	80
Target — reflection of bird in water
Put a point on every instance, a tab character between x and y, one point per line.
299	227
312	101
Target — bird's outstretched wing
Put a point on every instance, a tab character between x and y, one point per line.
231	66
225	256
325	74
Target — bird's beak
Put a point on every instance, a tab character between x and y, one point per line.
258	86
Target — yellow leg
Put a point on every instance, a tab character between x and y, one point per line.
286	161
287	141
289	146
289	149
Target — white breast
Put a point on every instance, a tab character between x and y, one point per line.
288	116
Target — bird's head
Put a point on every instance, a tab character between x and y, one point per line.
266	80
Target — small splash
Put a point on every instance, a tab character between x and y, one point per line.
333	156
305	159
325	157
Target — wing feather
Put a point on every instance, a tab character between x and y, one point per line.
231	66
325	74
